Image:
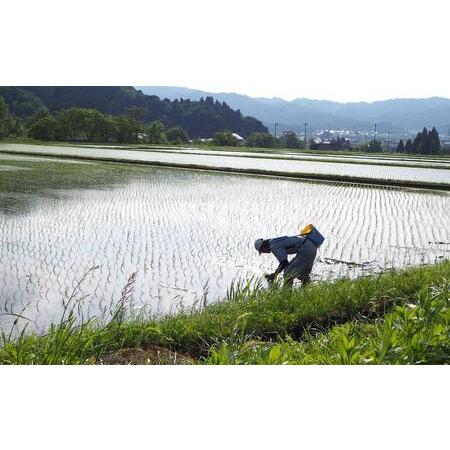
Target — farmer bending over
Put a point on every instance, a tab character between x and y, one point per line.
303	246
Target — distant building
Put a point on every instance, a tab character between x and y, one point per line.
325	135
321	144
239	138
330	144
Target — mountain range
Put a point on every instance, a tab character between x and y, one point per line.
395	115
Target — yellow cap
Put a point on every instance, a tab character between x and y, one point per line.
307	229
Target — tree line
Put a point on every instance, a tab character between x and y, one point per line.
426	142
9	124
200	119
87	125
90	125
288	139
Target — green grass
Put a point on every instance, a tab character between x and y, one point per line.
415	333
293	324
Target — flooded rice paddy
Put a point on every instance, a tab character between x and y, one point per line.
186	234
293	156
392	159
370	172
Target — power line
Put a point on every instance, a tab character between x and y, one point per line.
306	144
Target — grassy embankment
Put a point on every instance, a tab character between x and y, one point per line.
396	317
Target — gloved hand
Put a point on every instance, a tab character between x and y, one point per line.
270	277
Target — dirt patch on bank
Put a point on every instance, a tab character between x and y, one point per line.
154	355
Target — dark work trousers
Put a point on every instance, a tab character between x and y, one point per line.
301	265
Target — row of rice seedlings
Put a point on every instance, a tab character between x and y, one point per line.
362	171
434	164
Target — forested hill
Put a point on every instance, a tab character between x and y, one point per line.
200	118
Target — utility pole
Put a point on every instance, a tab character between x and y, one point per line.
306	143
389	141
374	132
276	126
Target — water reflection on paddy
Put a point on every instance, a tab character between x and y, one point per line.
189	234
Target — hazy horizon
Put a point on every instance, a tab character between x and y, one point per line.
275	97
